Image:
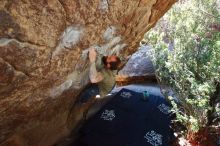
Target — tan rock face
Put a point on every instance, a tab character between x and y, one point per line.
43	43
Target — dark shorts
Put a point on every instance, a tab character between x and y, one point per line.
89	92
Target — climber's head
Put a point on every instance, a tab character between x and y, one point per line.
111	62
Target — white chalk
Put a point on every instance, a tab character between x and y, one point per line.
70	37
109	33
103	5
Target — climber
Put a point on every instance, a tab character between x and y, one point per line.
102	72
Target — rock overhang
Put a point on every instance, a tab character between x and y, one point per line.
42	44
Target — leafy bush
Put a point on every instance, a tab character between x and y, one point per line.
187	59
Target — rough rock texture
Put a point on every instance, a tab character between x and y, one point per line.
41	45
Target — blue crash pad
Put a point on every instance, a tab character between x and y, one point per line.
128	120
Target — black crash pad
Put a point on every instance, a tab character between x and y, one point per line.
128	119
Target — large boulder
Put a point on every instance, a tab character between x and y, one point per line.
139	64
138	69
42	42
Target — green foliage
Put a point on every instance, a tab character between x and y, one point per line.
192	66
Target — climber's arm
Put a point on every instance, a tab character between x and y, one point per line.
94	75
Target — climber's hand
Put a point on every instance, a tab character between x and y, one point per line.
92	55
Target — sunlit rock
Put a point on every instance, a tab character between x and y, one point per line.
41	46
